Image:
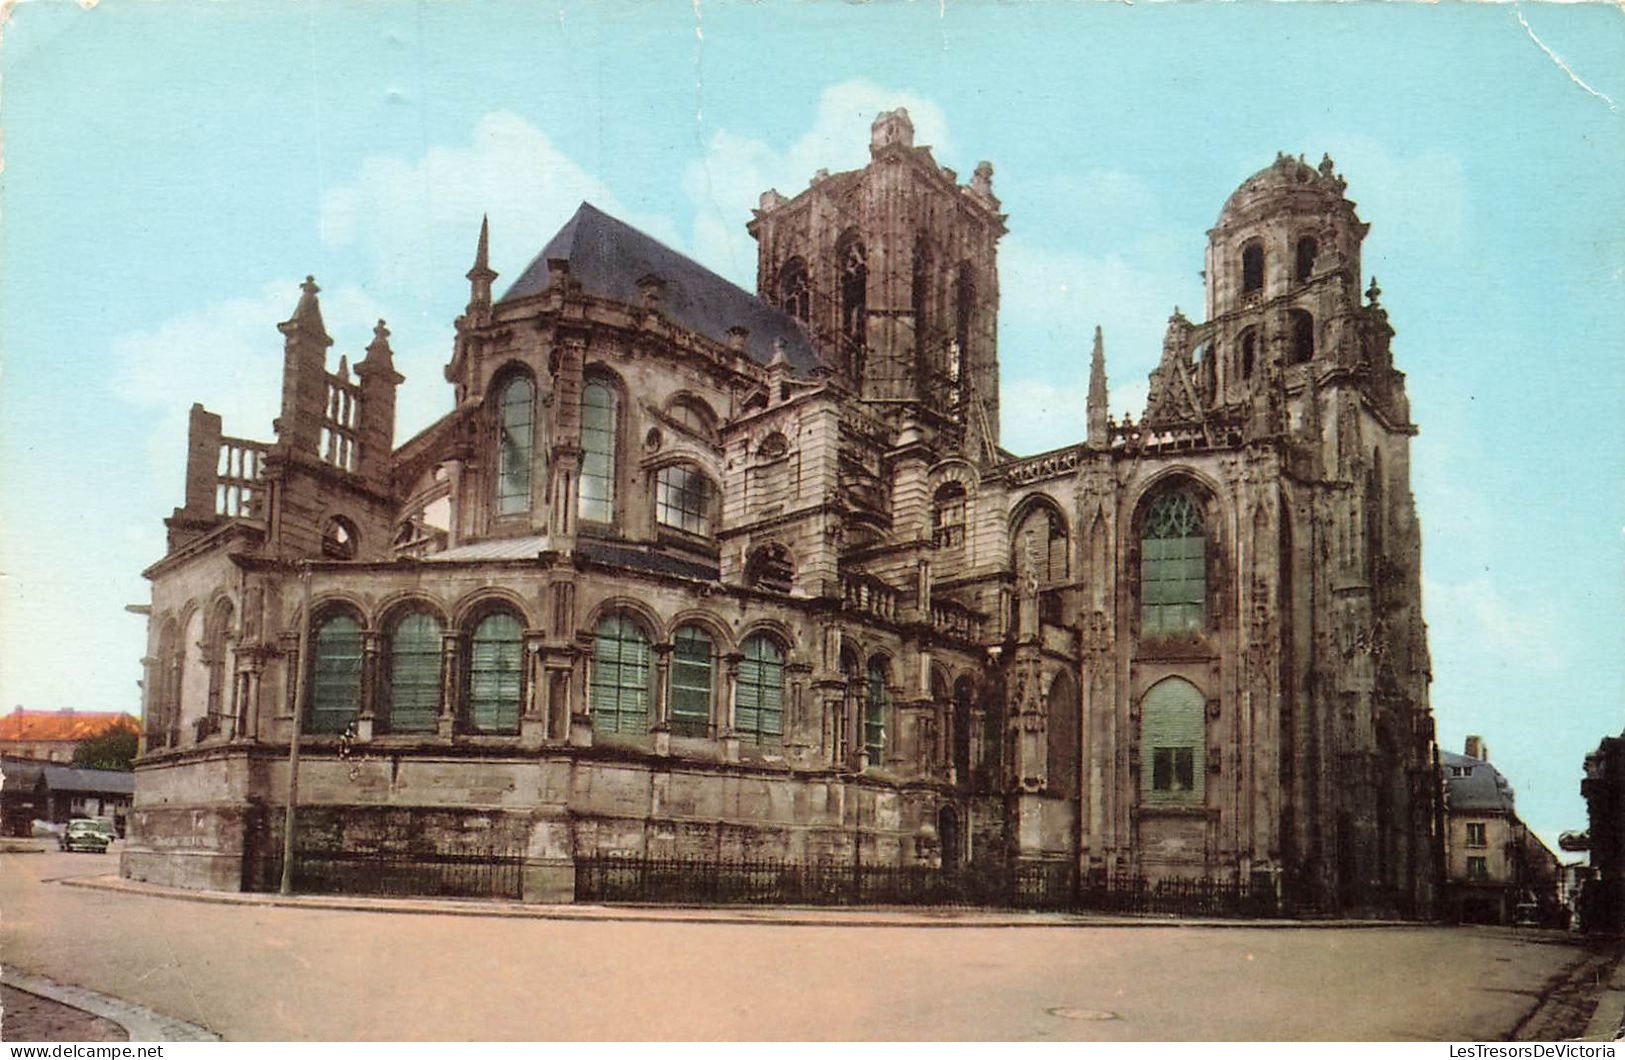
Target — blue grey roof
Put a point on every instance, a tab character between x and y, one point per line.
1482	789
608	257
107	781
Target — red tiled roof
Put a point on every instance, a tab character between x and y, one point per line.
26	725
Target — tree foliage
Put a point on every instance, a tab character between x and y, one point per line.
113	749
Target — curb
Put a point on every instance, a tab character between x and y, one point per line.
1607	1023
781	916
141	1024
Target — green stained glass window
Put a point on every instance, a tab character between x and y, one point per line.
414	673
597	484
691	682
335	687
495	674
759	706
875	710
1173	740
619	693
1173	567
515	446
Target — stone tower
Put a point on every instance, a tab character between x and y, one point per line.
892	268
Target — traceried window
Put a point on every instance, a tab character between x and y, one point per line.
495	674
414	673
759	705
795	294
515	445
691	678
598	433
1173	567
1172	744
948	516
876	708
1252	267
619	694
683	499
335	681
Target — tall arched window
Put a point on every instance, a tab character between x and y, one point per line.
948	516
619	694
852	265
683	499
598	434
964	694
163	703
216	657
1173	566
964	315
759	705
516	438
1307	250
1063	708
1252	267
335	674
414	673
1303	336
691	681
1042	546
919	299
795	294
876	709
1173	739
495	674
1249	352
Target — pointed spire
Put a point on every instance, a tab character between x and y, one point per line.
1099	434
380	359
307	315
481	275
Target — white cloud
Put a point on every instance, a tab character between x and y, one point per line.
420	218
726	183
1474	619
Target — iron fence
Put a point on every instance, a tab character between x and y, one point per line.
1043	885
462	873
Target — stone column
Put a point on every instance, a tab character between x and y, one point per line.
371	654
532	719
660	716
730	739
451	650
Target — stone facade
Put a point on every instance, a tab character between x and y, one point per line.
704	573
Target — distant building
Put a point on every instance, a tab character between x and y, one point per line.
1496	869
1602	901
32	790
51	735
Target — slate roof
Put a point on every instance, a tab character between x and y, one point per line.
70	725
1482	789
608	257
101	781
500	548
644	560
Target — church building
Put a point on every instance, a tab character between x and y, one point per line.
702	576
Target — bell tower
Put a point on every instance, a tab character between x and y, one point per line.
893	270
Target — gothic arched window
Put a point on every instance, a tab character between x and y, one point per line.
1252	267
691	669
795	295
948	516
414	672
598	451
619	695
852	265
495	673
1249	352
515	444
335	674
1042	546
1173	566
1173	739
759	703
876	709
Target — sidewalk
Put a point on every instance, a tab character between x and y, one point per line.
1608	1022
806	916
68	1013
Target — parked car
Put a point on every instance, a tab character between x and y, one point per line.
83	833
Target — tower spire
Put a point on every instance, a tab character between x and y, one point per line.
1098	435
481	275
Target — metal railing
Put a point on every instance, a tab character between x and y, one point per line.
466	872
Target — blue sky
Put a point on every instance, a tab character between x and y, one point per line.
172	170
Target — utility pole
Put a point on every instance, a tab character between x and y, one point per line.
300	682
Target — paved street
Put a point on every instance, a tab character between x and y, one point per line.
269	973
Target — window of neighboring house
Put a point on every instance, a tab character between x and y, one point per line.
948	516
515	445
683	499
759	706
1478	868
495	674
1252	267
1460	771
691	669
1172	737
795	295
1475	834
598	426
335	686
619	693
414	673
876	709
1173	566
